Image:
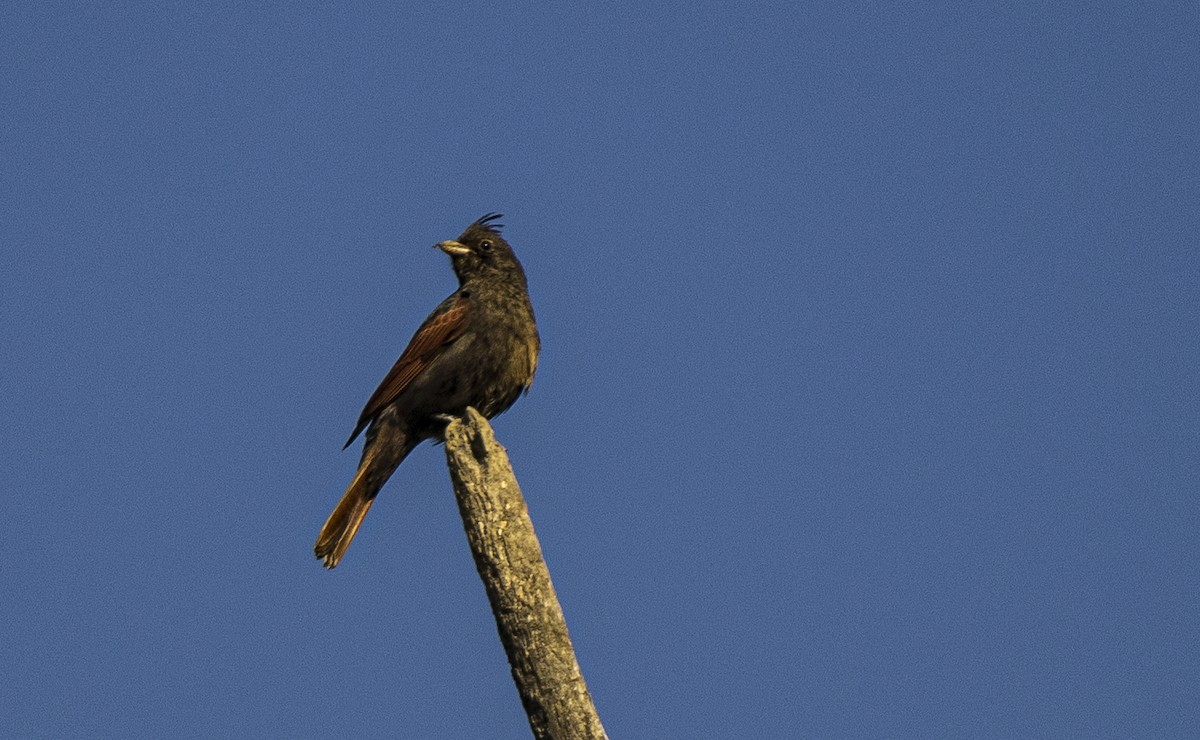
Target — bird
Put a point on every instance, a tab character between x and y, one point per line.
478	348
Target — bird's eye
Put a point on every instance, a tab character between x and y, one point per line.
485	246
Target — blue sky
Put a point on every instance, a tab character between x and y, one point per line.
868	403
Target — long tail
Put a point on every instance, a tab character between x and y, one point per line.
380	459
343	523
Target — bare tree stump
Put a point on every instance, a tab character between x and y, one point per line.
509	560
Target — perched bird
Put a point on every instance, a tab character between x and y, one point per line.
478	348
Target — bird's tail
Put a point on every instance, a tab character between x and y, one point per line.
378	464
343	523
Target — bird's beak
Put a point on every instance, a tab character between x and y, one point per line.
453	249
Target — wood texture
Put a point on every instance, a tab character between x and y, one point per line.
509	560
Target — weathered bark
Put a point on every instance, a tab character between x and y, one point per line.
509	561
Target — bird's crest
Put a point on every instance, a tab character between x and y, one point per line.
484	223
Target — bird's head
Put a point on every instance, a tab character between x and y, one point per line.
480	251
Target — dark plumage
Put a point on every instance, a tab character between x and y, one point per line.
478	348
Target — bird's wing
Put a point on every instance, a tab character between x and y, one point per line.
440	330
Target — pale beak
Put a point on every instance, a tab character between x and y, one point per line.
454	249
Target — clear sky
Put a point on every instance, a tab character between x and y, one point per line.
868	403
